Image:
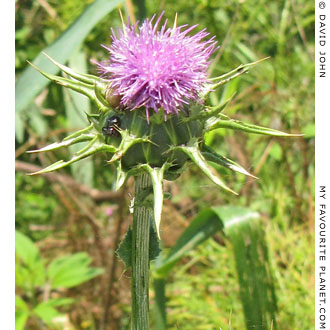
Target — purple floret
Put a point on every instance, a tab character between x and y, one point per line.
157	68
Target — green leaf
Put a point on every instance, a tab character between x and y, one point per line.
78	62
83	88
21	313
212	156
46	312
154	244
226	122
232	216
121	176
72	270
27	277
29	267
225	78
21	318
76	106
26	249
30	83
246	240
24	279
125	248
157	175
20	303
65	143
95	145
192	150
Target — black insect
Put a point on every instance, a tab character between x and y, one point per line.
112	126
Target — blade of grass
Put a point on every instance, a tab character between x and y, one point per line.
246	240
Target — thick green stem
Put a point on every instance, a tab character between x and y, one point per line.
140	255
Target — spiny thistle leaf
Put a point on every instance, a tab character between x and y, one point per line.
125	248
157	175
192	150
214	157
77	133
90	145
99	85
65	143
226	122
29	84
154	247
120	177
92	148
83	77
225	78
78	86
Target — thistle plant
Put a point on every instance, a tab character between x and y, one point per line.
152	114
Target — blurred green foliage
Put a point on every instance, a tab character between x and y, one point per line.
33	205
37	283
203	292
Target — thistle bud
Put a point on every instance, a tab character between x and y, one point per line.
112	98
152	116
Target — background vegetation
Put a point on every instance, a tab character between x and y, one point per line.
76	210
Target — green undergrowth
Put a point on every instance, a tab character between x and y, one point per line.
203	292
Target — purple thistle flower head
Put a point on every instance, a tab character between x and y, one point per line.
155	69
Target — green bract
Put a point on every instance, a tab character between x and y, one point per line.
159	147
